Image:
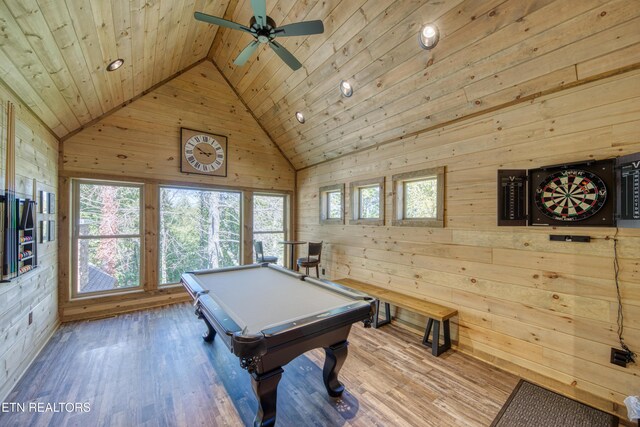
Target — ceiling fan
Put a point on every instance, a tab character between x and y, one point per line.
264	30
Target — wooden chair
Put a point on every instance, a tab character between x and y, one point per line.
314	254
260	258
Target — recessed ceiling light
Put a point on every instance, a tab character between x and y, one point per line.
346	88
115	64
429	36
300	117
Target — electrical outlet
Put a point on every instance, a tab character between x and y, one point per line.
323	272
30	317
619	357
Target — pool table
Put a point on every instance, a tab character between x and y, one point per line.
268	316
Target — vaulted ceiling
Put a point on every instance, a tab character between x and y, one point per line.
491	53
53	53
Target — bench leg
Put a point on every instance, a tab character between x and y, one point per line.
376	319
434	343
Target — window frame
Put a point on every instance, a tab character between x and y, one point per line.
324	204
76	237
285	216
355	201
399	202
159	283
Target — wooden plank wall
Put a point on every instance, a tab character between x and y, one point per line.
141	143
545	310
37	291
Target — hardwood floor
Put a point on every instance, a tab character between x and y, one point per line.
150	368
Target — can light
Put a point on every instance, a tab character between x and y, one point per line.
429	36
115	64
300	117
346	88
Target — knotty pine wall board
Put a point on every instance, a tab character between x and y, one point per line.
37	291
141	142
546	310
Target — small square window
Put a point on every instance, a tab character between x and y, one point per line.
332	204
367	202
419	198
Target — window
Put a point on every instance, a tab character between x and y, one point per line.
270	224
419	198
199	229
332	204
367	202
107	236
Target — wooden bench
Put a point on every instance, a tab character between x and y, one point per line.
434	312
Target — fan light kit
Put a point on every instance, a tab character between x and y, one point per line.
429	36
264	31
346	88
300	117
115	64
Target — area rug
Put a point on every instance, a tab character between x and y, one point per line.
532	406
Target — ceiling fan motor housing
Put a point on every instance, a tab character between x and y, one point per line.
265	34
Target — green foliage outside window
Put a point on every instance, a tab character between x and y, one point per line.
334	202
369	202
108	250
420	198
269	224
199	229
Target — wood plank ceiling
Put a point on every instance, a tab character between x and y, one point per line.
491	53
53	54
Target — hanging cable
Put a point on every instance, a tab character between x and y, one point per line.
620	320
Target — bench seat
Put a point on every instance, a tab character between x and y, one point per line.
437	314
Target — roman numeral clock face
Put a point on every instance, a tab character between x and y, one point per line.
204	153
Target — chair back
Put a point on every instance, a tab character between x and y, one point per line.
257	248
315	250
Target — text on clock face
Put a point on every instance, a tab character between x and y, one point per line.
204	153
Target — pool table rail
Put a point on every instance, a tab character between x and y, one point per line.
251	347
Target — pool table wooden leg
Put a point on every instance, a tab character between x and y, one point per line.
336	355
265	387
211	333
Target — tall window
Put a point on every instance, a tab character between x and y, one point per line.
199	229
419	198
270	223
107	236
367	202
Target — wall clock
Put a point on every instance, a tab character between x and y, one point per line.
203	153
578	195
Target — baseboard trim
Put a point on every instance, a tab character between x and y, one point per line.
121	307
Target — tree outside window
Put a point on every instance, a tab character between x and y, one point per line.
199	229
367	201
419	198
270	223
331	204
107	236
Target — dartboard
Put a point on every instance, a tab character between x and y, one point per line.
570	195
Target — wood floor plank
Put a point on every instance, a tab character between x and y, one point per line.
150	368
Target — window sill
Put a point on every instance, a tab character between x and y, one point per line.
367	221
332	221
426	222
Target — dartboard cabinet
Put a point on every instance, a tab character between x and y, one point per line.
584	194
